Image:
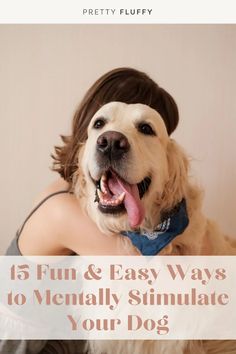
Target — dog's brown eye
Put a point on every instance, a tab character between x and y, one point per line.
146	129
99	123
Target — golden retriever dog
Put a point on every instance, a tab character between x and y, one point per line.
131	175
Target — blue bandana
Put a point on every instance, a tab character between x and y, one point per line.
151	243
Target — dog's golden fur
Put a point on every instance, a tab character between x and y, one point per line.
168	165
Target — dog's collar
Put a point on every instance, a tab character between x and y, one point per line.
173	224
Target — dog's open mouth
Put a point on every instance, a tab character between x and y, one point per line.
114	196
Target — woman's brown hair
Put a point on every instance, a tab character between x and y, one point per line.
125	85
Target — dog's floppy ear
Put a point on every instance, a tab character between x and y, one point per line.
78	179
178	164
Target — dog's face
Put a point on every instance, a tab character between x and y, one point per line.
124	165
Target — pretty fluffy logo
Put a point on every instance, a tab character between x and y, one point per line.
120	12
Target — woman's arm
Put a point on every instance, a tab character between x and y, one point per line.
60	227
90	240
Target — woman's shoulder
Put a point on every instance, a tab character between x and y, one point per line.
54	211
59	185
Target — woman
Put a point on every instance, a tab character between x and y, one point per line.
56	225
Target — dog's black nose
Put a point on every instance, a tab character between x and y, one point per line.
113	143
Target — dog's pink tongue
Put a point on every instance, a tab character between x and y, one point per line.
132	201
